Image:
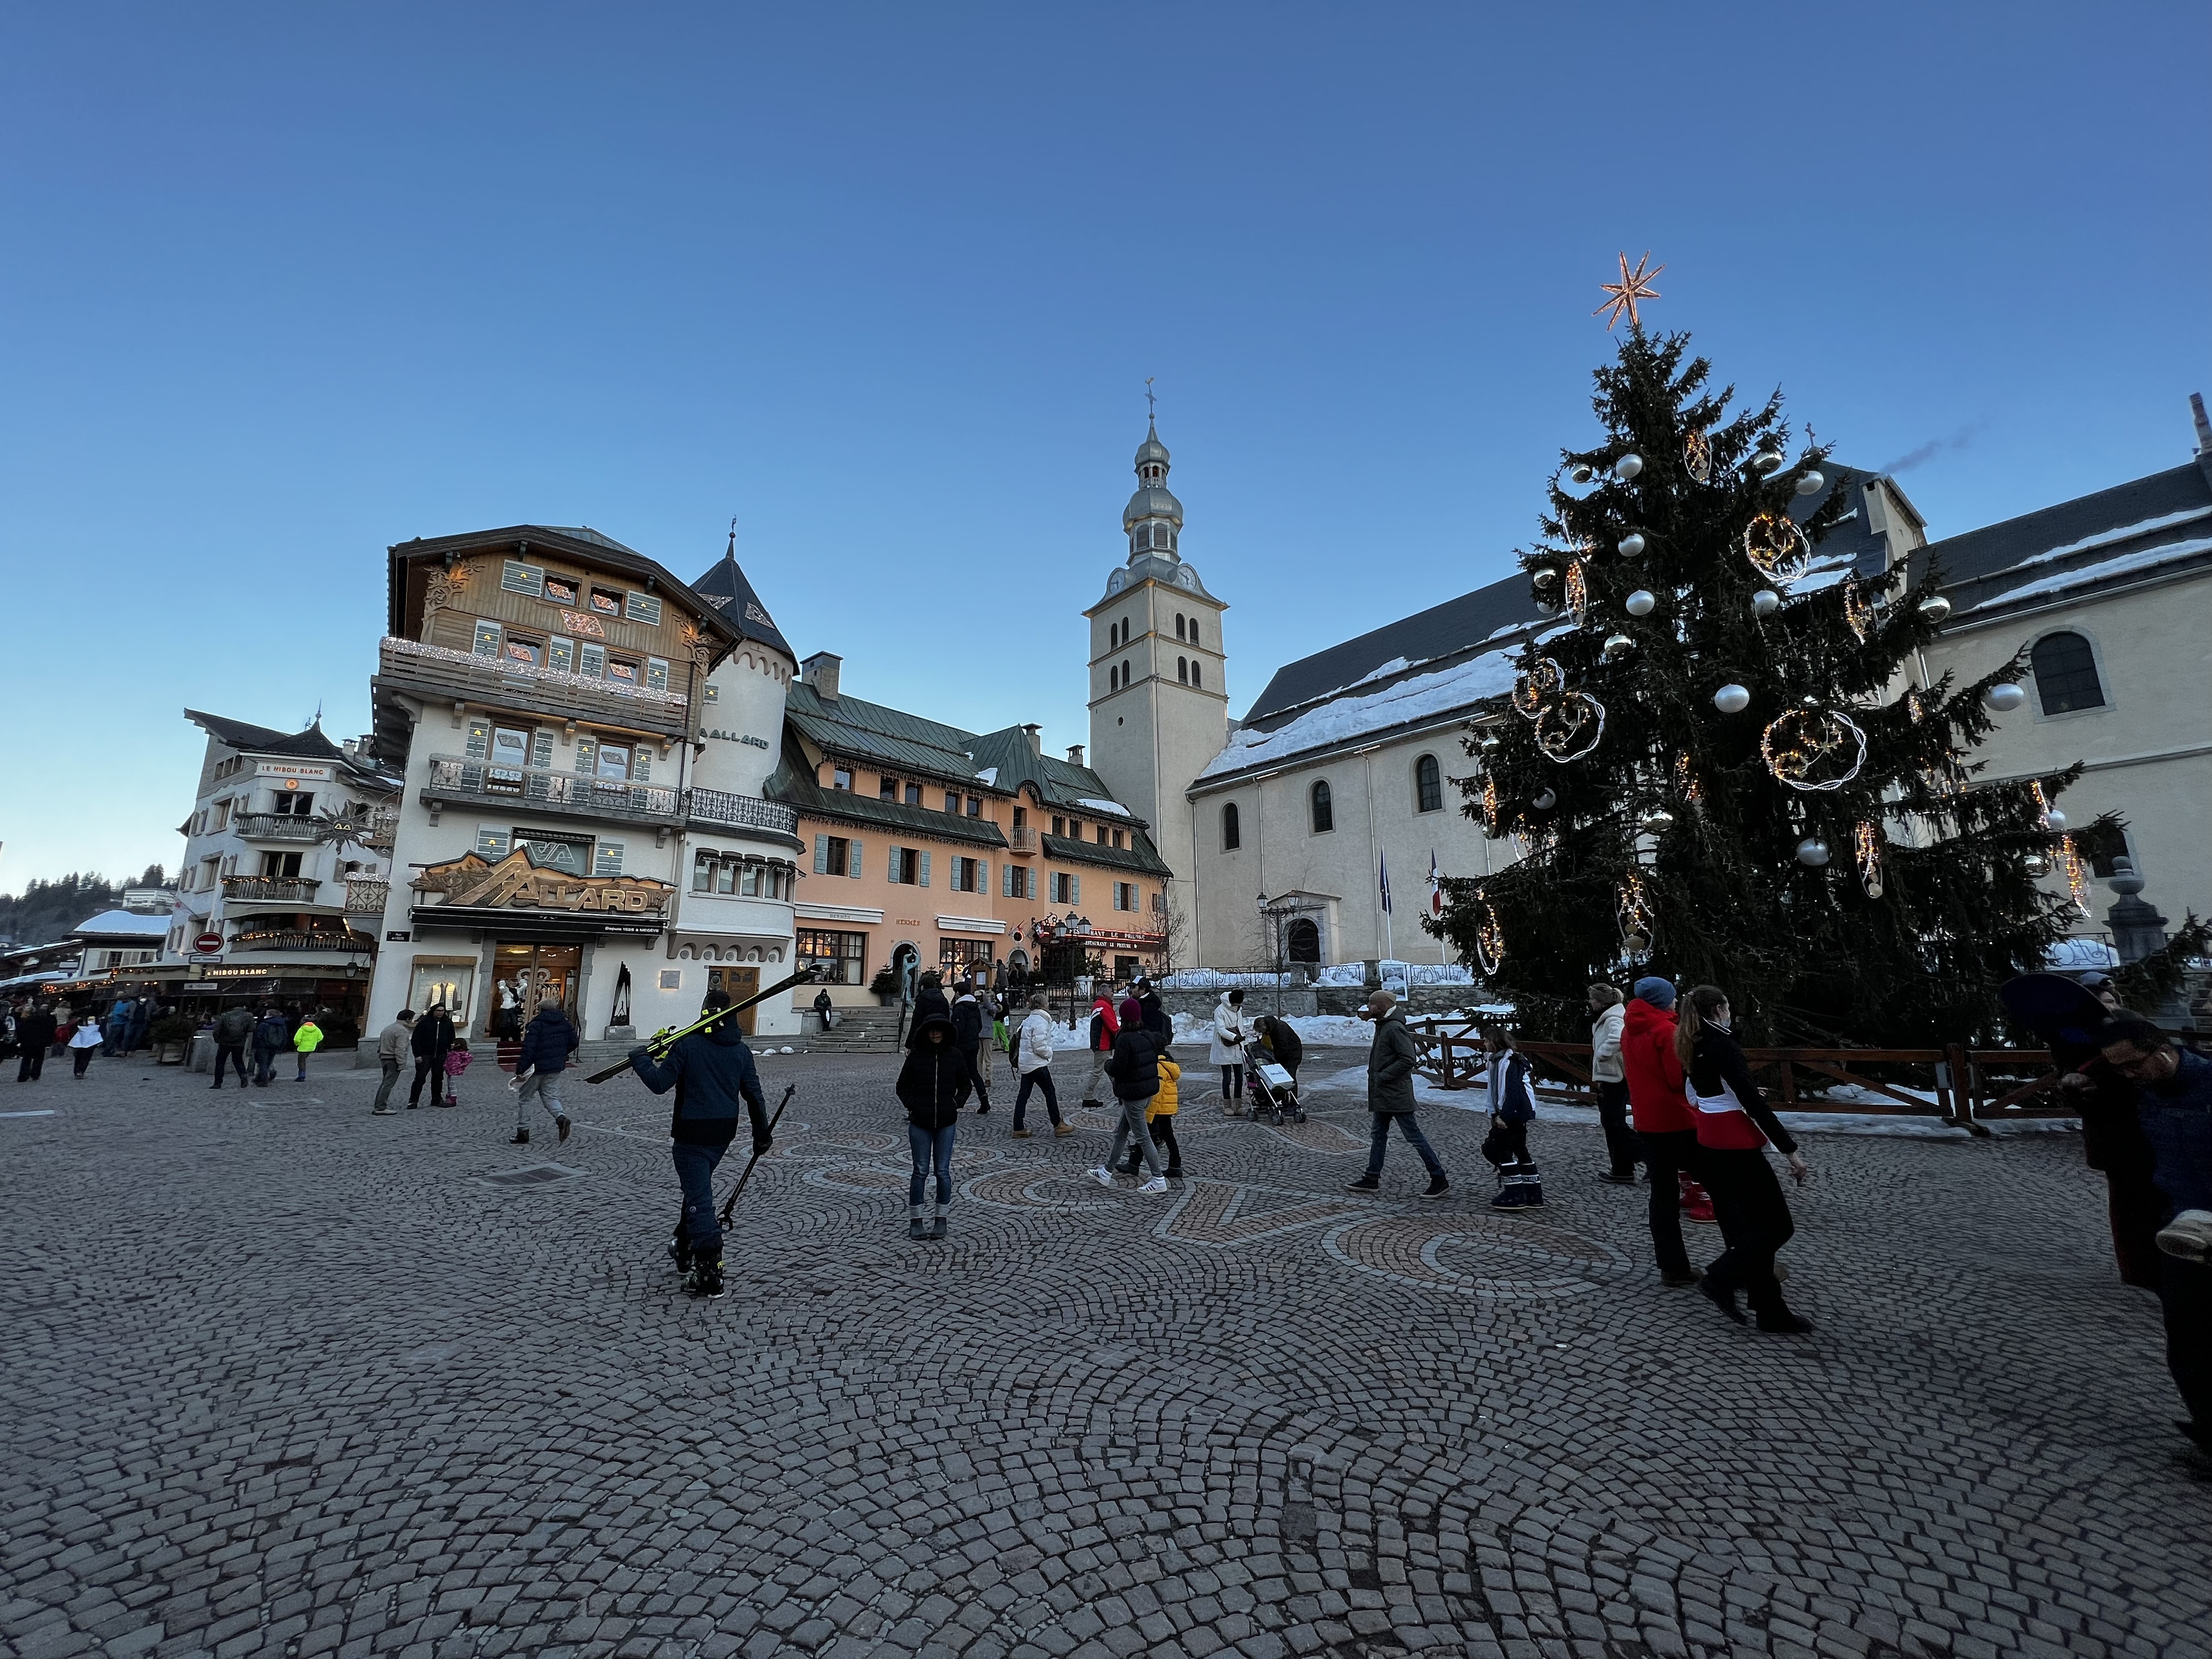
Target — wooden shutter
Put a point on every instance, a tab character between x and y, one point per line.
924	866
491	843
479	739
641	766
1006	881
587	754
592	660
854	871
486	639
1075	890
541	749
982	875
656	674
822	855
606	858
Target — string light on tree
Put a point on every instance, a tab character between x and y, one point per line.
1489	935
1569	726
1576	596
1633	286
1697	455
1868	842
1776	548
1633	909
1858	610
2077	873
1813	748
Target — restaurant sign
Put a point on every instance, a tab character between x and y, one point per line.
516	883
296	771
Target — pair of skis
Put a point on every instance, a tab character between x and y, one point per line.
662	1041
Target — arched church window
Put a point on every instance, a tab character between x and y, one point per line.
1183	670
1232	835
1124	672
1324	810
2066	674
1113	677
1178	624
1428	785
1194	674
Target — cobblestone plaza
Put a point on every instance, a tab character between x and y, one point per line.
281	1378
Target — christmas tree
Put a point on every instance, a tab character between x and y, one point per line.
1721	766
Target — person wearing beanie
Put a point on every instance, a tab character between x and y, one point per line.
1664	1125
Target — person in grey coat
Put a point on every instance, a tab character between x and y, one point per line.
1390	1097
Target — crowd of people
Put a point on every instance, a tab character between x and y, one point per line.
34	1029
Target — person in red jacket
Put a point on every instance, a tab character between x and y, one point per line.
1105	1026
1660	1109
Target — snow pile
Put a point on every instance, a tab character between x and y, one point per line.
2126	533
2148	558
1214	979
989	774
1426	696
1406	973
1115	808
1395	665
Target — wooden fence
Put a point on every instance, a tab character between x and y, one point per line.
1965	1087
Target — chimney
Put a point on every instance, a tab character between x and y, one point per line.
1075	754
1035	735
820	671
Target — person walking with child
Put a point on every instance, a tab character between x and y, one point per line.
1226	1050
457	1061
1134	1065
932	1084
1735	1125
1033	1060
1159	1120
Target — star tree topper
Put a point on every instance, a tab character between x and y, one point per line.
1633	285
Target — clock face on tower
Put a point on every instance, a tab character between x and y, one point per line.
1186	577
1117	582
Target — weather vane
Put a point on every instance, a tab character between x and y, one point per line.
1633	285
1151	403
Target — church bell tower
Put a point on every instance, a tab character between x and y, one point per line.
1159	708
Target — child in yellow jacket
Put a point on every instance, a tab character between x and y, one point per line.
1159	1121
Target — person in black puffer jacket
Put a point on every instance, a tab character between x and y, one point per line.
929	1004
932	1086
1734	1126
1134	1065
711	1073
968	1021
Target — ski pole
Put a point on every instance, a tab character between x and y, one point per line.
789	1090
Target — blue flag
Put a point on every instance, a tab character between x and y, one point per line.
1384	863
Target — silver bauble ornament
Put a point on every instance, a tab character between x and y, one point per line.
1811	484
2003	699
1631	545
1582	472
1641	602
1654	819
1491	743
1766	603
1543	576
2054	820
1732	699
1546	801
1617	646
1767	463
1627	467
1935	607
1813	852
2036	865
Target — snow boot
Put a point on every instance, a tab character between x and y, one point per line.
705	1279
936	1227
916	1226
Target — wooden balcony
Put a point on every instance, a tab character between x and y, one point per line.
455	780
270	890
439	675
275	826
303	938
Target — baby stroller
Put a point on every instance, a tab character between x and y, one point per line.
1274	1093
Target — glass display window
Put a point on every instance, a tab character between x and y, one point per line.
441	978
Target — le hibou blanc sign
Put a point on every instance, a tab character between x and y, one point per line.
515	882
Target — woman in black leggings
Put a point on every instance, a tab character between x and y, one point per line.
1734	1126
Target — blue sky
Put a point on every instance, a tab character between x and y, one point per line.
283	285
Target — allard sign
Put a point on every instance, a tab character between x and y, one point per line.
515	882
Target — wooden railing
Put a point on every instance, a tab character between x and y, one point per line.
1962	1086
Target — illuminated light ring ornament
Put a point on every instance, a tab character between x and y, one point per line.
1489	935
1632	908
1576	599
1697	456
1798	742
1858	610
2076	872
1543	680
1867	844
1569	727
1776	548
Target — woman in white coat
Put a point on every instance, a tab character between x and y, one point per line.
1227	1050
1033	1059
1608	1018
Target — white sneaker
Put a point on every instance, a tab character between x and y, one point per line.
2188	1235
1156	1184
1102	1175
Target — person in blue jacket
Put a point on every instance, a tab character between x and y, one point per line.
711	1073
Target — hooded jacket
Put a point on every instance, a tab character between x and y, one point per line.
547	1041
1105	1025
1228	1046
1135	1065
274	1031
1279	1043
929	1004
1657	1103
1035	1047
1390	1068
1155	1017
1164	1103
711	1073
968	1022
1606	1027
932	1084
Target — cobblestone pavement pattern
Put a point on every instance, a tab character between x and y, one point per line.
285	1378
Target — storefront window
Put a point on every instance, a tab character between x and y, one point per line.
452	983
836	958
970	955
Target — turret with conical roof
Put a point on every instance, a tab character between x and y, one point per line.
1153	518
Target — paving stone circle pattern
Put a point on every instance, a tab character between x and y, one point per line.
283	1378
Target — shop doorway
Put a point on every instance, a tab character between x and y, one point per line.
740	983
527	977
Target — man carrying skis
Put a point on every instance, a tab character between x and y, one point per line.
712	1073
